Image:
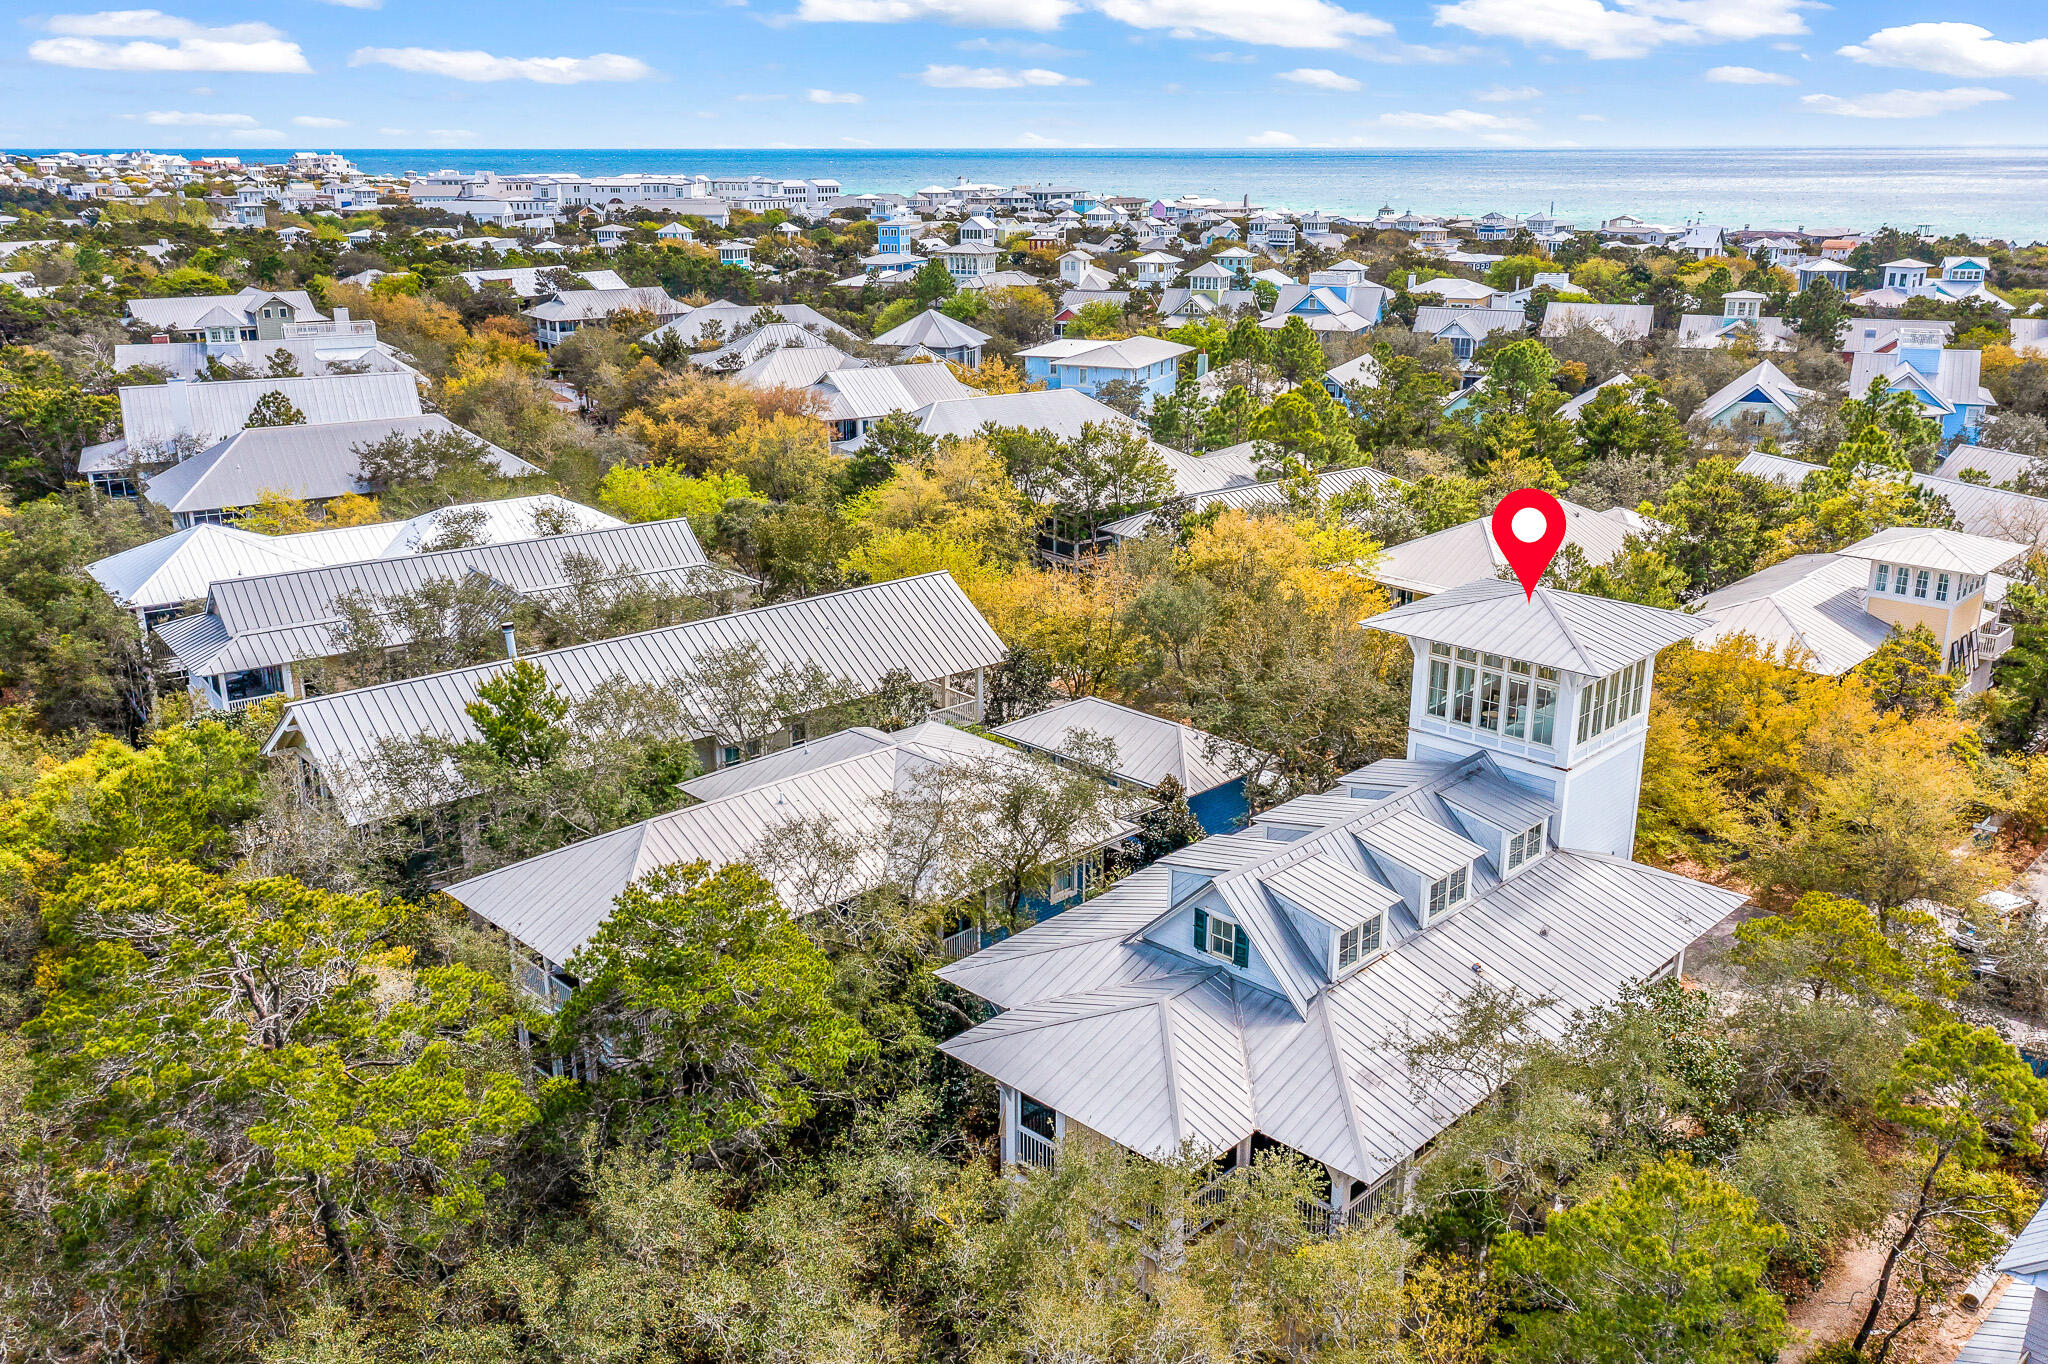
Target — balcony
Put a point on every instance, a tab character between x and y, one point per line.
1993	640
362	327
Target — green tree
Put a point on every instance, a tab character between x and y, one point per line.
519	714
1665	1268
932	283
46	419
1827	947
712	1009
1961	1092
248	1084
1906	674
1818	312
274	409
1721	521
1298	353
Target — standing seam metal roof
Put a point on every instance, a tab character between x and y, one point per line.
1591	636
923	625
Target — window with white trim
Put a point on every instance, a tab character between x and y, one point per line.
1612	700
1500	695
1357	942
1447	893
1525	846
1223	938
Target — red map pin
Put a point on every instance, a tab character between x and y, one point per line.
1528	525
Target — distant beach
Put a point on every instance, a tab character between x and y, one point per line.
1999	191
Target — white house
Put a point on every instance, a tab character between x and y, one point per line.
1254	989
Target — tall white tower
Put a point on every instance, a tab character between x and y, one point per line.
1555	687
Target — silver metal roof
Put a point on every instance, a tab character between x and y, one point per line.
933	329
2003	466
1993	512
590	305
2026	1258
2009	1333
1271	493
1460	554
1145	1041
152	414
181	566
1149	748
1591	636
1931	547
860	394
554	903
1615	321
924	626
187	313
310	462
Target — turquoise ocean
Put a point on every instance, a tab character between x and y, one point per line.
1998	192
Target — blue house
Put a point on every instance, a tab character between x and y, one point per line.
1087	365
898	235
1948	383
1149	748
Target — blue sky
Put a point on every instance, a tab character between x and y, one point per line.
1028	73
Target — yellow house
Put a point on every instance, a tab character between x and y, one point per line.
1935	578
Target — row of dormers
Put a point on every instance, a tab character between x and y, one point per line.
1297	920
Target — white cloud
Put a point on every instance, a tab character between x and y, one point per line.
1039	15
1016	47
1230	58
482	66
1747	75
1903	103
172	118
833	97
150	40
1457	121
1951	50
1272	139
1632	28
1507	94
1320	78
1275	23
316	121
992	78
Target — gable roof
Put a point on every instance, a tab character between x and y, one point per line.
190	313
924	626
306	462
1476	323
588	305
1270	493
1762	377
1149	748
1956	381
1591	636
933	329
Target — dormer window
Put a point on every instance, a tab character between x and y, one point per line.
1920	584
1219	937
1883	572
1941	588
1525	846
1358	943
1447	894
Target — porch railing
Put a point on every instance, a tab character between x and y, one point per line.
1034	1150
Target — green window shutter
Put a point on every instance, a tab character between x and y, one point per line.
1241	953
1201	930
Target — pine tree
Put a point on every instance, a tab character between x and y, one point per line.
520	714
274	409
